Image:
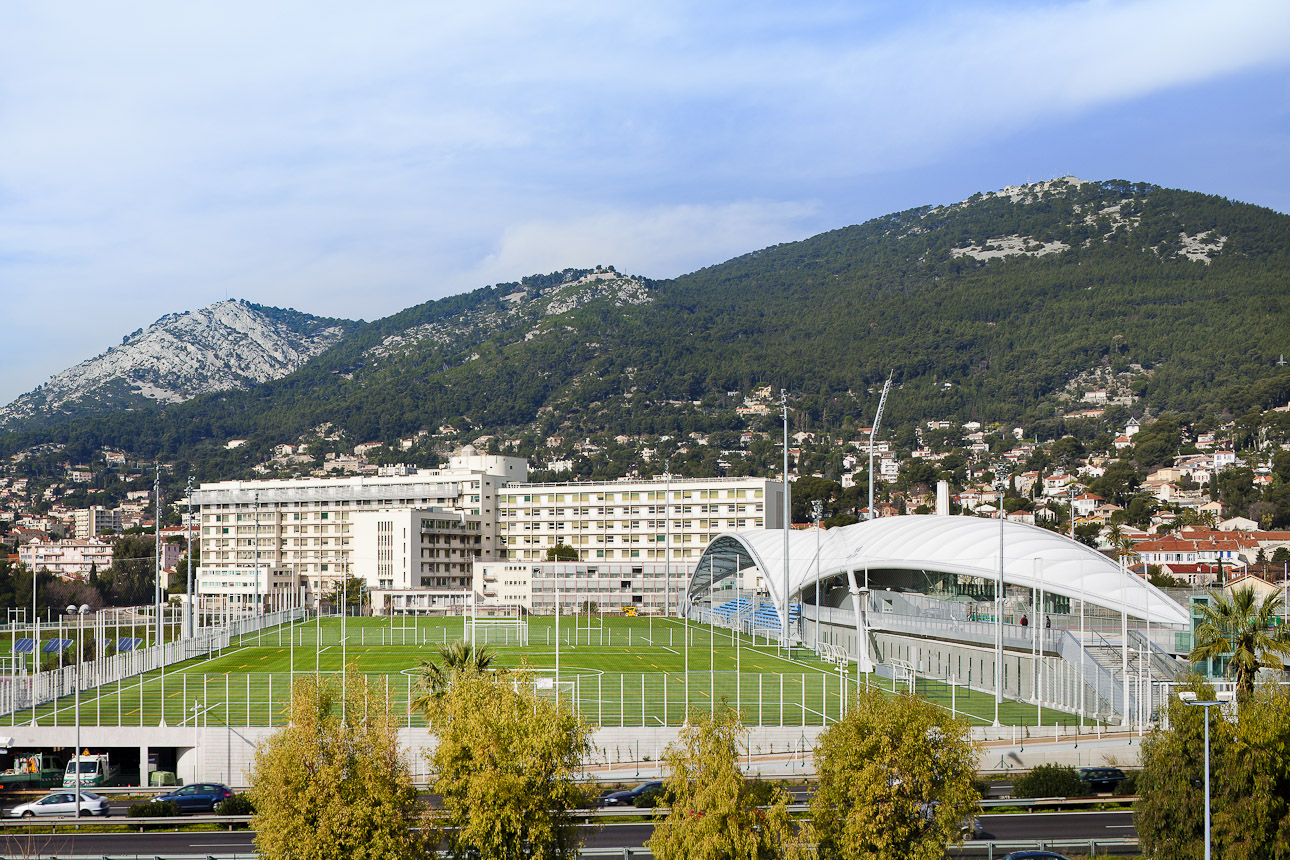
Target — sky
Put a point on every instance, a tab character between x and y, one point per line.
354	159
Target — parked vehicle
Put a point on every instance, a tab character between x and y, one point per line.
1101	778
1034	855
90	770
62	803
198	797
641	795
33	771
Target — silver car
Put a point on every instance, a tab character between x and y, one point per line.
62	803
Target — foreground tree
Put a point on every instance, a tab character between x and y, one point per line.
715	812
1249	774
327	787
896	780
504	767
455	659
1240	627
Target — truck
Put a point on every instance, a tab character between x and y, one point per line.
37	770
89	771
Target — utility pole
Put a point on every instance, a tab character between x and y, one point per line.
788	515
667	540
1001	481
817	511
156	586
189	530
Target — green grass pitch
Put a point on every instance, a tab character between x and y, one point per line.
616	671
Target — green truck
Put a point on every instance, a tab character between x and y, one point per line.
37	770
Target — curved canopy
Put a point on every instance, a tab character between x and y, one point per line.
969	546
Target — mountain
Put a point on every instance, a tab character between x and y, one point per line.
1012	306
229	345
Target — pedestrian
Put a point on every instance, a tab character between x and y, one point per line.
1025	622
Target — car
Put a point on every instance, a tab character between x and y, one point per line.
1101	778
198	797
1034	855
641	795
62	803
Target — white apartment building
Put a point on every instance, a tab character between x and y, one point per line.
639	521
606	586
70	558
403	548
289	541
93	521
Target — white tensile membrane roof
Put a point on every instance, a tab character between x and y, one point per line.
1032	558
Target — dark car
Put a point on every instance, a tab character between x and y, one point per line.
198	797
1101	778
644	794
1034	855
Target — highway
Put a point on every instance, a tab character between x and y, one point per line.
1034	825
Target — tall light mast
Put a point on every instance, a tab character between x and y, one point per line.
873	435
788	524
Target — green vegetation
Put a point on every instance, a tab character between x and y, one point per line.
504	768
1250	780
1239	630
896	779
1049	780
715	811
826	318
334	784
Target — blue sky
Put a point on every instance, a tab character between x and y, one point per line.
354	159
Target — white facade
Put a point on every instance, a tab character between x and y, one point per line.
406	548
284	542
92	521
71	558
609	586
633	521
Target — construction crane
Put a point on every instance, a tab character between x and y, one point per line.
873	436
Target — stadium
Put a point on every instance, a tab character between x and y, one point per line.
1065	637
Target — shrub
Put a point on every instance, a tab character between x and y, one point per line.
1050	780
153	809
1128	786
238	804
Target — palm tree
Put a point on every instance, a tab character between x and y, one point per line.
1239	626
456	659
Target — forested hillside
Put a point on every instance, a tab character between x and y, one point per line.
994	309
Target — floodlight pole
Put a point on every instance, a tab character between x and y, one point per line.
788	515
79	612
188	528
1000	476
156	585
556	581
817	510
35	648
667	539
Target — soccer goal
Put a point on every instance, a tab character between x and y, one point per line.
499	626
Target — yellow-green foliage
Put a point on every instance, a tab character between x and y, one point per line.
1249	773
896	780
332	787
714	812
504	768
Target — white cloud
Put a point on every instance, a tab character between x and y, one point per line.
354	159
662	241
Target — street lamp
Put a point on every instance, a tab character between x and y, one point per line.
1190	699
817	511
79	612
1001	470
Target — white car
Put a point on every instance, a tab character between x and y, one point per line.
62	803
